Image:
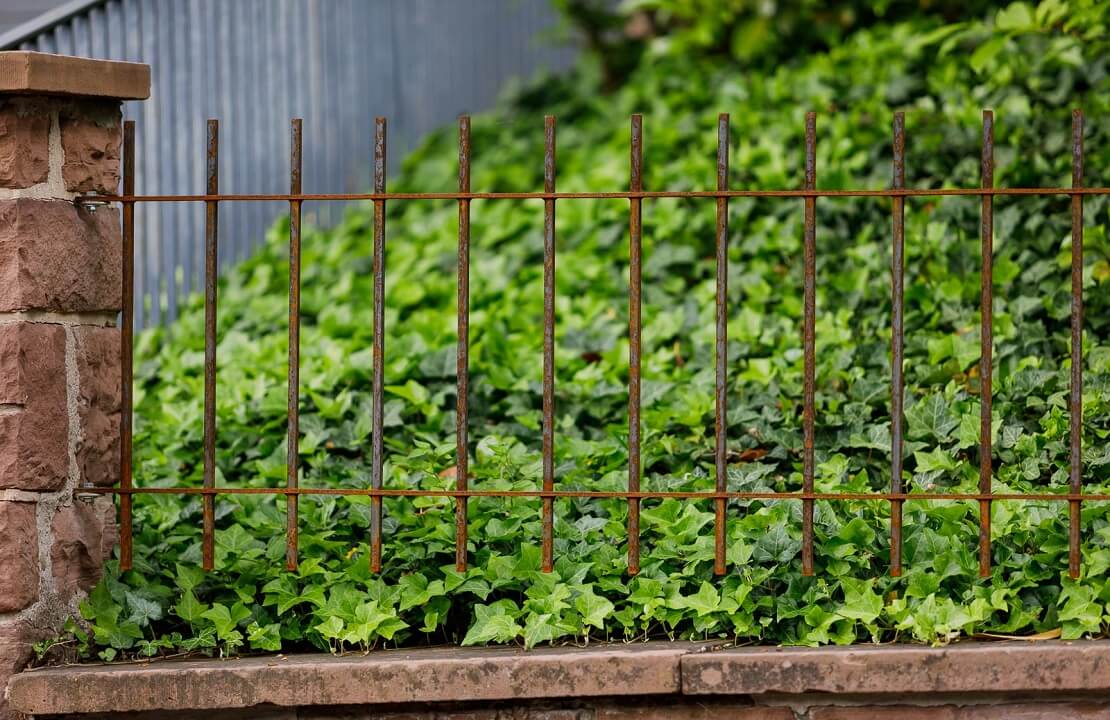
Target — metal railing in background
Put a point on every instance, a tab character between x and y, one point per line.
720	496
253	63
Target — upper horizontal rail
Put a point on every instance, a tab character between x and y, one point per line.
622	195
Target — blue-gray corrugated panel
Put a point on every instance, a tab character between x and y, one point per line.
255	64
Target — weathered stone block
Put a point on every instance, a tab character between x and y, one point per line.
83	535
98	404
34	428
1003	711
15	653
899	669
19	571
24	143
402	677
91	139
361	713
58	258
695	711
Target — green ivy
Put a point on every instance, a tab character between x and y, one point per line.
1030	64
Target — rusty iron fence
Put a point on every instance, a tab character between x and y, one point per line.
720	495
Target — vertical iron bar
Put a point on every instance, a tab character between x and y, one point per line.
548	342
720	564
462	352
379	346
211	232
897	342
986	343
292	440
1076	419
634	327
126	350
809	288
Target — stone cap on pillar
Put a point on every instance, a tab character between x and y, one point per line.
33	73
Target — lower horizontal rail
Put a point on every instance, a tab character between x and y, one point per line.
601	494
622	195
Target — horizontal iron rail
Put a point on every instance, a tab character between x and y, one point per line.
623	195
605	494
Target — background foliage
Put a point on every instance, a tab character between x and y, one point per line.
1032	64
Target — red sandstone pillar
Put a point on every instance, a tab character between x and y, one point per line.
60	289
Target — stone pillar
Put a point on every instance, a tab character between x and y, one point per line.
60	290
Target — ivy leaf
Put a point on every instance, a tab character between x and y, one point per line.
704	601
143	611
416	590
594	609
492	623
861	602
921	584
930	419
538	629
226	620
776	545
1080	612
264	637
331	628
235	540
189	609
937	459
189	577
470	581
121	636
100	605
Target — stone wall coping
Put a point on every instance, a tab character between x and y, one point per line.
451	674
389	676
34	73
1003	666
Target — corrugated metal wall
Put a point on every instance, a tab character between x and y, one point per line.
254	64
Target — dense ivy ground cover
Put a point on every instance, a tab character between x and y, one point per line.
1027	63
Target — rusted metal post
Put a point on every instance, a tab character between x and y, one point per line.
635	250
720	417
211	250
809	358
462	351
897	342
1076	400
986	344
127	330
293	434
548	344
378	348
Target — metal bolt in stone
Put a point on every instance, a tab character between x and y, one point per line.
86	497
89	203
